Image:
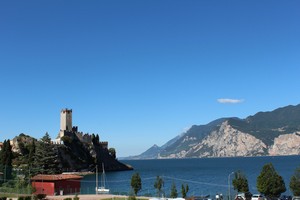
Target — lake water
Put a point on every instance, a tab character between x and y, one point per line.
204	176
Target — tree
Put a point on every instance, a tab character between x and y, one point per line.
240	182
295	182
46	157
136	183
269	182
31	152
184	190
159	183
46	138
112	152
6	157
174	193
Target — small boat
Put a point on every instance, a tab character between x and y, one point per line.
101	189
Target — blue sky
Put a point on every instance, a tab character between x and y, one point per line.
139	73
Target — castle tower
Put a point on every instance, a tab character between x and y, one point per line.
65	121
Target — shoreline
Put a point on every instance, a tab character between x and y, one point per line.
93	197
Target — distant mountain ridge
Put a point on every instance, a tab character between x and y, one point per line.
266	133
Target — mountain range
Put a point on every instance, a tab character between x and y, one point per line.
264	134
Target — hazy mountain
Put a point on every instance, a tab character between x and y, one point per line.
266	133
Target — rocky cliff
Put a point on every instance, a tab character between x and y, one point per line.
73	155
265	133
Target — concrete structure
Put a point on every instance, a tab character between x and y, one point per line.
56	184
66	129
65	121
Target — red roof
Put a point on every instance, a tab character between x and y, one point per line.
55	177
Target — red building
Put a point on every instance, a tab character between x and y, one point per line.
56	184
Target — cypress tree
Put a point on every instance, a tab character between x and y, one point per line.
6	160
295	183
136	183
269	182
174	193
240	182
159	183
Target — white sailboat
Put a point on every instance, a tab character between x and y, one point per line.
101	189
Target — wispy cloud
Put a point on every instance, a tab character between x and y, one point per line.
230	100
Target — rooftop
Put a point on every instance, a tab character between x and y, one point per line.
55	177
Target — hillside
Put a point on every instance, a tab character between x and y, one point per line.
73	155
266	133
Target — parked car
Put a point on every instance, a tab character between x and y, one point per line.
296	198
243	196
286	197
240	196
258	197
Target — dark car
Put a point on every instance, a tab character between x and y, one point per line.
286	197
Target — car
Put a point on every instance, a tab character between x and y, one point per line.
257	197
240	196
286	197
243	196
296	198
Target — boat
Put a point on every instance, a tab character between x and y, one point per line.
101	189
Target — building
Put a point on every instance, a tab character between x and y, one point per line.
66	129
65	121
56	184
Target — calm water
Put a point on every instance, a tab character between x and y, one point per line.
205	176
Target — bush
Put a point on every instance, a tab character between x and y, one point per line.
24	198
40	196
132	197
76	197
69	198
3	198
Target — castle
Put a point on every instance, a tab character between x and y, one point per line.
66	127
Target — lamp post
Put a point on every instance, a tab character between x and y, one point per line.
229	185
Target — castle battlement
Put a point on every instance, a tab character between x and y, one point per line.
66	127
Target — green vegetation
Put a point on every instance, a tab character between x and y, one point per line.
240	182
267	125
45	157
269	182
159	183
24	198
295	182
6	157
174	193
76	197
112	152
136	183
184	190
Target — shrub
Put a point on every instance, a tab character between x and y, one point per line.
132	197
40	196
76	197
3	198
24	198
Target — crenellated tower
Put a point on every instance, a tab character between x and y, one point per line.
65	121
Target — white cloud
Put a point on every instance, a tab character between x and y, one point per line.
230	100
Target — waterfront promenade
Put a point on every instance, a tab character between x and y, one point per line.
93	197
